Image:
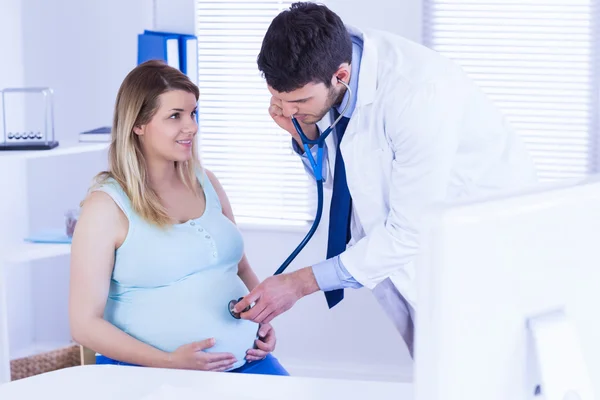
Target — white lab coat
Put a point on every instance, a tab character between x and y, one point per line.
421	133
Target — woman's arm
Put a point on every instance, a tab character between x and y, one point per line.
247	275
245	272
101	228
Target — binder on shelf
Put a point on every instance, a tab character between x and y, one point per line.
187	51
101	134
165	47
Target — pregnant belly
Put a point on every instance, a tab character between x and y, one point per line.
184	312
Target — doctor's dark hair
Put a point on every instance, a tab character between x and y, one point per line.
305	44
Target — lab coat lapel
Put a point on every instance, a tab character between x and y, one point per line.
367	78
367	85
362	158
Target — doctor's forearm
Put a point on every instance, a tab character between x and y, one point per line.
305	281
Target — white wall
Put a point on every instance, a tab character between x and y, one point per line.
83	50
175	16
403	17
11	75
11	44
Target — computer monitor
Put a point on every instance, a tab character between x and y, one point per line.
508	304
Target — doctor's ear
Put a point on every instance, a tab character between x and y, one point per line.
342	74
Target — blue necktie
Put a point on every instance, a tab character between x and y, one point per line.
339	215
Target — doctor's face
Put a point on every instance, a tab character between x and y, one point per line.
310	103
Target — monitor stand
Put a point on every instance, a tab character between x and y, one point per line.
560	363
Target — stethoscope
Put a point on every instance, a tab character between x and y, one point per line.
317	167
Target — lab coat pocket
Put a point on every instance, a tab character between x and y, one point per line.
370	167
368	186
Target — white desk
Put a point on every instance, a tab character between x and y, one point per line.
104	382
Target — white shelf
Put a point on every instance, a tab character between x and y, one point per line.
38	348
27	251
61	149
41	186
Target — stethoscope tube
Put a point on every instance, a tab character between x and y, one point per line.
317	166
310	233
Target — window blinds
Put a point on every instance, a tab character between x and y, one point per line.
239	142
538	60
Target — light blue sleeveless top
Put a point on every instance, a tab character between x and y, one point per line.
171	287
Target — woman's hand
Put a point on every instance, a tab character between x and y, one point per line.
193	356
265	344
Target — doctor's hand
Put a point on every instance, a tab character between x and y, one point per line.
193	356
264	345
277	294
285	123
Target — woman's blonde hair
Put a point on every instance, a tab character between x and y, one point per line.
137	102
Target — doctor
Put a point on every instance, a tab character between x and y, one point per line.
417	131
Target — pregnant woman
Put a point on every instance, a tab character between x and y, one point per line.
156	254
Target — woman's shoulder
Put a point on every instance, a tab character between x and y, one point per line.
212	182
211	177
107	193
99	206
101	221
220	194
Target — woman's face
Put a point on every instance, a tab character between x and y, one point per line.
171	131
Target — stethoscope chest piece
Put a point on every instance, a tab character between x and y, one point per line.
232	304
